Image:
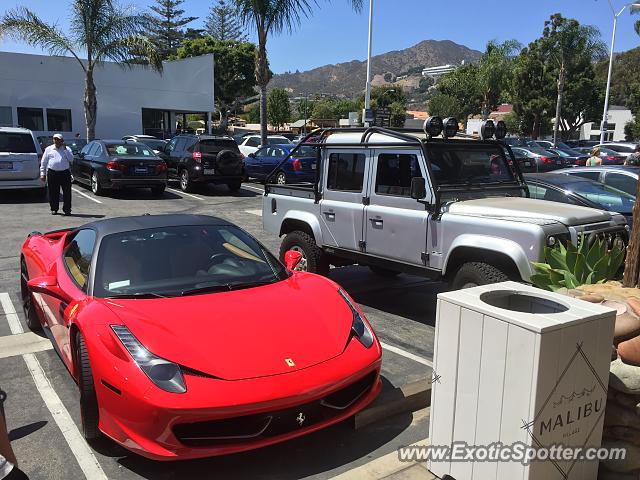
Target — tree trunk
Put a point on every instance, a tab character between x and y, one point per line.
90	105
632	263
556	125
262	79
535	129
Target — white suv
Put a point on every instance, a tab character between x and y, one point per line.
251	143
20	155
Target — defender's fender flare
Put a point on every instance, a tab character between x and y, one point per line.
501	246
307	218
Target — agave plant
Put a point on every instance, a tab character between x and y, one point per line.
570	266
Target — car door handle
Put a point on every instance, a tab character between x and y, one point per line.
376	222
330	215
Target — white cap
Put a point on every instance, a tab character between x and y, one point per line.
58	135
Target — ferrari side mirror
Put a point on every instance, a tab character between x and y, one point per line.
292	259
47	285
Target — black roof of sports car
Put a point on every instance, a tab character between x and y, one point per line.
127	224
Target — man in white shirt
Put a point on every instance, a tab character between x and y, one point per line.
56	168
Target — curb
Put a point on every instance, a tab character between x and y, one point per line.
407	398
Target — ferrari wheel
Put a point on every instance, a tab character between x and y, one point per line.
88	400
30	314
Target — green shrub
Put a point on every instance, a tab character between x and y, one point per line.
570	266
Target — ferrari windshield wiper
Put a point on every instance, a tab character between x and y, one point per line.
222	288
138	295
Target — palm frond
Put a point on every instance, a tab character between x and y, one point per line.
132	50
22	24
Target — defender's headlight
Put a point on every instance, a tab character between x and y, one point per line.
359	327
163	373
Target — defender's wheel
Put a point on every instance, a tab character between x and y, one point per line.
473	274
314	260
88	400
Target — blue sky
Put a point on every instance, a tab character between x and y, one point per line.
336	34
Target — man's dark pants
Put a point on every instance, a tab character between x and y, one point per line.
55	180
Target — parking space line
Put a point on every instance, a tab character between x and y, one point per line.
254	212
21	343
183	193
404	353
84	455
85	195
253	188
12	317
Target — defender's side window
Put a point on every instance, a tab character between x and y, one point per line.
395	172
346	172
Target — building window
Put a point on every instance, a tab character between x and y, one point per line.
59	120
31	118
6	118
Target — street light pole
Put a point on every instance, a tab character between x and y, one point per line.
367	95
613	42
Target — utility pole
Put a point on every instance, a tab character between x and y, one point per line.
367	95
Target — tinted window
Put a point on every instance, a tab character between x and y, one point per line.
550	194
604	196
171	145
214	146
86	148
589	175
128	150
145	261
263	152
59	120
6	117
155	144
94	149
395	172
253	142
77	256
346	172
468	164
31	118
625	183
621	148
278	141
180	144
17	143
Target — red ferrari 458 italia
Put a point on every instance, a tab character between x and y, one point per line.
188	339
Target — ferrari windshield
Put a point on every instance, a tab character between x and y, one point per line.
182	260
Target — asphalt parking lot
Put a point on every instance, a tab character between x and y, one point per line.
42	403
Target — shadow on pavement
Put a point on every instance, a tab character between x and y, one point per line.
25	430
9	197
403	295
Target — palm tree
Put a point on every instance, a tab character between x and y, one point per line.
268	17
100	30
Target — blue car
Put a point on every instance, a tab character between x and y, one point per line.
300	168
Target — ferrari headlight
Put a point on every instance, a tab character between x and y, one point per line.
359	327
163	373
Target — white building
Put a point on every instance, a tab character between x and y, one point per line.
617	118
438	71
46	94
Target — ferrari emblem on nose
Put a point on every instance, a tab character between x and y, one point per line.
300	419
289	362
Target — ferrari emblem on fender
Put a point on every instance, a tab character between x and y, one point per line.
289	362
300	419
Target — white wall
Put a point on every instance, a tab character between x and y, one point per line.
58	82
619	117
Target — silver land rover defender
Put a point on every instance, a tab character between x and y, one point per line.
407	201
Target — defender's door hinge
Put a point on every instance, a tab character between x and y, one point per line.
362	245
425	258
366	200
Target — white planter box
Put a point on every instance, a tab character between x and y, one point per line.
514	363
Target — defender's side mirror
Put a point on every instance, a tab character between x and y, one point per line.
292	259
418	188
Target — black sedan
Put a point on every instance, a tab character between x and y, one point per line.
115	164
536	159
575	190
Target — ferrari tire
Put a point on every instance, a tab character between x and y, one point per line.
29	309
314	260
88	400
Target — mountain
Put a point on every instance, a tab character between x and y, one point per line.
348	79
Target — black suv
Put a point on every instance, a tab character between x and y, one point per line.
204	159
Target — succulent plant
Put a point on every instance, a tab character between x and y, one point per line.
569	266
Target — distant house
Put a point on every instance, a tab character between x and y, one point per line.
617	118
437	71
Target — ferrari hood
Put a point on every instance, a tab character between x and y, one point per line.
262	331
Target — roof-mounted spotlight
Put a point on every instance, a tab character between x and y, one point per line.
433	126
450	127
501	130
487	129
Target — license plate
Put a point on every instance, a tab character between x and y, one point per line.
6	165
558	162
141	170
527	164
209	171
313	166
